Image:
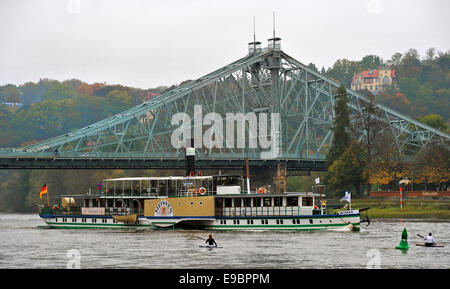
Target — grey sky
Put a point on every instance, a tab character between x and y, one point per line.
151	43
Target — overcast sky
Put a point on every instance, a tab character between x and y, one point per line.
147	44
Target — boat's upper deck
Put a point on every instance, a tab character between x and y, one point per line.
125	195
171	186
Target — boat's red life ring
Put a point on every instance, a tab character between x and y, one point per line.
260	190
201	191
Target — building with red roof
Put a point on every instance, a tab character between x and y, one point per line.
375	80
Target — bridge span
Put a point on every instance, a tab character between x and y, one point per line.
172	163
296	102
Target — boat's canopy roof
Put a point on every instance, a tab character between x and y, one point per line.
159	178
81	196
171	178
242	195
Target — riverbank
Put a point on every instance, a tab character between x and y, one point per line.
413	208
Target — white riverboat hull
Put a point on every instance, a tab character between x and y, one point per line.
336	222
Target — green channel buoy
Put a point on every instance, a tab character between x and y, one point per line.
404	242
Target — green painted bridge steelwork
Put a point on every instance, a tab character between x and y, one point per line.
265	80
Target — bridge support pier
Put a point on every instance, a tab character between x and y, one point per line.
275	176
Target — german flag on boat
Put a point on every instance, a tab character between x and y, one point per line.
43	191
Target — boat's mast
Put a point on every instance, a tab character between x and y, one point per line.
317	181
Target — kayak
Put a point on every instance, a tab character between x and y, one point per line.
429	246
209	246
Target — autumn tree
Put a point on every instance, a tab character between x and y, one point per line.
89	89
432	165
387	166
395	99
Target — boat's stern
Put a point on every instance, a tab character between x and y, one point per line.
46	214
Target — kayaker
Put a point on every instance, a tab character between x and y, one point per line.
211	241
429	241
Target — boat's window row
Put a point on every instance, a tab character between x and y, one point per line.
263	202
276	221
84	220
222	222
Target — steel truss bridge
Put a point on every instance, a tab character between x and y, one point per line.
265	80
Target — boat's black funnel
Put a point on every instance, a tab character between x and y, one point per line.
190	158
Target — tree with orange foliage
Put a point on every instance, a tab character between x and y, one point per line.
388	167
432	165
89	89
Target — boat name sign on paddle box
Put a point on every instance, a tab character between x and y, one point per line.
348	212
93	211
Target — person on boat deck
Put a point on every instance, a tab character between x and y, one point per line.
211	241
429	240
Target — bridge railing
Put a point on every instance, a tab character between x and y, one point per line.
28	153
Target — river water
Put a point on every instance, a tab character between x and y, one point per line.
23	244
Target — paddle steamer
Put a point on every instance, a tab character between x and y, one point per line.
219	202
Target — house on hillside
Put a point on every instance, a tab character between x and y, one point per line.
375	81
149	94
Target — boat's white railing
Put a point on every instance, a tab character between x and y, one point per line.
109	211
156	193
264	211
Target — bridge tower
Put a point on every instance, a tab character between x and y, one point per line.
274	175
